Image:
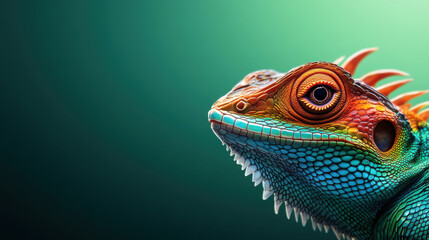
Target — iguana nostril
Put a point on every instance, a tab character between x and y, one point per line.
241	105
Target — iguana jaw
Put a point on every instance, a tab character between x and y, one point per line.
241	134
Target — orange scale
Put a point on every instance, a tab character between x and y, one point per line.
362	112
365	118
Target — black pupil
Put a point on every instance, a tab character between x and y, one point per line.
320	93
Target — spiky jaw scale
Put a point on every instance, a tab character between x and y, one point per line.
225	124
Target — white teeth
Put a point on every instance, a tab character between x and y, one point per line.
266	194
245	164
326	227
239	159
254	179
257	182
288	210
320	226
250	170
313	224
268	191
304	218
337	234
266	185
256	176
296	211
277	204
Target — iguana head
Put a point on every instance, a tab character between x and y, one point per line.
333	148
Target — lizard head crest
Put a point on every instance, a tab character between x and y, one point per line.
320	140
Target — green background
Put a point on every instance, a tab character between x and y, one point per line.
104	108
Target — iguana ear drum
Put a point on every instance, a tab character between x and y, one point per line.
318	95
384	135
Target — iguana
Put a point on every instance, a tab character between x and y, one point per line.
334	149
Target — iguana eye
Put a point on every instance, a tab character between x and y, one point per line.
384	135
319	95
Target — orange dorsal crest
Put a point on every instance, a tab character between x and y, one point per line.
372	78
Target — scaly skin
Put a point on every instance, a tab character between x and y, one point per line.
333	149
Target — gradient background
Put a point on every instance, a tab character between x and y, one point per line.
104	108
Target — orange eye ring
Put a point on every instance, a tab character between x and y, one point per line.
316	107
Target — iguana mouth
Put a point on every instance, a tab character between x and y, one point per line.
223	122
270	129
